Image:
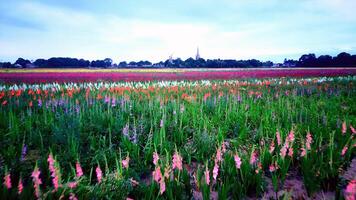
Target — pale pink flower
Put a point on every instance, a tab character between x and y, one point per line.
207	176
283	152
72	185
218	155
167	171
291	136
51	167
290	152
72	197
350	192
344	129
343	152
271	148
223	147
303	152
99	174
177	161
156	174
162	186
253	157
36	181
7	181
125	163
20	186
155	158
134	182
237	161
279	142
352	129
215	170
309	140
78	169
272	168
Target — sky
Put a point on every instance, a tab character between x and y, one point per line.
134	30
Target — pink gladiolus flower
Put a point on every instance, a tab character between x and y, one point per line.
344	129
72	185
350	192
271	148
237	161
99	174
215	170
283	152
51	161
279	142
303	153
155	158
253	158
78	169
223	147
20	186
218	155
207	176
352	129
177	161
309	140
291	136
162	186
272	168
7	181
36	181
157	175
125	163
343	152
72	197
290	152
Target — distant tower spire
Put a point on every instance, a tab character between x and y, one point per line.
197	57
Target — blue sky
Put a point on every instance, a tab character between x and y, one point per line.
153	30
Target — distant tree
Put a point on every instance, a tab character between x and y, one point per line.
307	60
343	60
123	64
324	61
22	62
5	65
41	63
108	62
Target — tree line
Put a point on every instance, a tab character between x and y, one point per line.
307	60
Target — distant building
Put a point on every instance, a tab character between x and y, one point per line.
197	57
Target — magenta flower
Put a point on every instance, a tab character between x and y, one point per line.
237	161
7	181
177	161
99	174
54	171
72	196
20	186
272	168
155	158
350	192
125	163
291	136
78	169
207	176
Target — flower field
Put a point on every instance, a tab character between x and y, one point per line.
251	138
85	75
